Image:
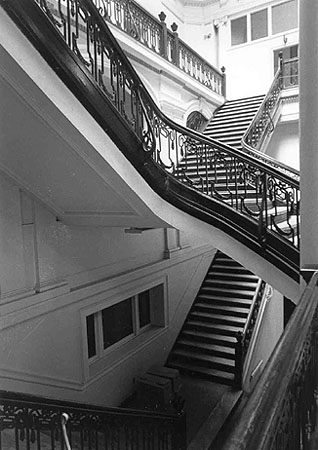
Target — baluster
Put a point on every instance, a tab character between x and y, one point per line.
175	52
238	376
223	89
164	35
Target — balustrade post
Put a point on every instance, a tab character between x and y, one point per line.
164	36
238	375
223	90
281	70
175	52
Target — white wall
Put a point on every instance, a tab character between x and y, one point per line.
270	330
284	144
42	333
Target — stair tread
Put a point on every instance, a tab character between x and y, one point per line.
230	283
220	327
242	301
233	309
217	316
238	292
205	370
231	340
212	347
204	357
242	276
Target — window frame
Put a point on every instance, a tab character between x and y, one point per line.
149	329
270	33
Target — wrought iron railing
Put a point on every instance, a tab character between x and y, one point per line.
281	412
244	337
138	23
28	422
262	124
265	198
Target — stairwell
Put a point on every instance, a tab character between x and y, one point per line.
205	347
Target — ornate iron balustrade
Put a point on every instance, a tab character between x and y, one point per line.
28	422
244	337
262	124
138	23
201	176
281	412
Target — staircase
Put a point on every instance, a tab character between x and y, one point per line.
205	347
232	119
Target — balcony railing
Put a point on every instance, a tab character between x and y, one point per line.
282	411
138	23
262	124
28	422
244	195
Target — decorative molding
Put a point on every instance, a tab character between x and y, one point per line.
35	378
47	301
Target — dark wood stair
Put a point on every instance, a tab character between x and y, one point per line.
205	347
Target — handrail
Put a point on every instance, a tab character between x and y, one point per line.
41	423
262	123
281	412
103	79
244	337
64	420
138	23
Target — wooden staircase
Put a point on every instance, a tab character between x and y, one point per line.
232	119
205	347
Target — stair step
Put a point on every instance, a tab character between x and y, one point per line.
217	318
207	348
229	284
243	302
215	328
204	372
241	276
227	292
225	310
229	341
216	362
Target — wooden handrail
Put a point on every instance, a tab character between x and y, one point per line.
281	412
105	82
42	422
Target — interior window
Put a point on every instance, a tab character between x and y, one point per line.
259	24
239	30
285	16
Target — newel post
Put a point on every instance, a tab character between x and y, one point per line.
175	52
223	81
281	69
164	35
238	374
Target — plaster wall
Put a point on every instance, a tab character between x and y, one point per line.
270	330
42	326
284	144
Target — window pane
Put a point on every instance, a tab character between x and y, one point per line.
144	308
285	16
117	322
239	31
259	24
91	342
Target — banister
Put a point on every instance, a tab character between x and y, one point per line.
155	35
244	336
281	412
103	79
255	135
41	422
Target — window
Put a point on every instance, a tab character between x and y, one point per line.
259	25
117	322
124	320
239	30
285	16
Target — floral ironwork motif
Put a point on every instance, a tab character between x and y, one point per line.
252	184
